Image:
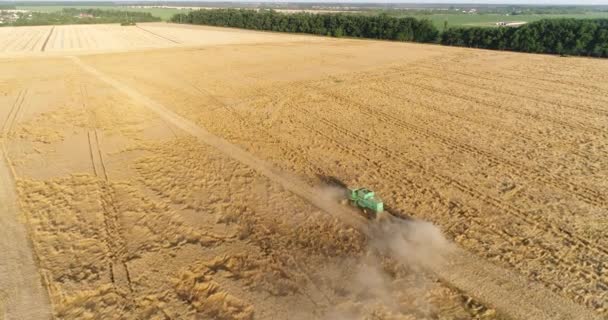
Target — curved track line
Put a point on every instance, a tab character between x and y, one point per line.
510	293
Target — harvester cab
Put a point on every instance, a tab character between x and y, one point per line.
366	200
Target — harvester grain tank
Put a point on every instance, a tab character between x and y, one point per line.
366	200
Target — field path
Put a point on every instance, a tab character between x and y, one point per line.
508	292
21	293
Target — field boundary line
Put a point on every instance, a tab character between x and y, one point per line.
509	292
46	41
156	34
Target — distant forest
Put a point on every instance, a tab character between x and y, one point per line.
584	37
83	16
336	25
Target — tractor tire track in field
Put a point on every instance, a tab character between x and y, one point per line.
494	105
389	73
6	42
46	41
9	123
22	294
468	119
517	77
156	34
515	82
500	90
461	210
78	38
519	137
571	89
245	124
467	211
286	180
62	39
507	291
389	76
585	194
497	203
115	242
30	39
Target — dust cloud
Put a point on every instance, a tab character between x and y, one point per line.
392	278
332	194
415	243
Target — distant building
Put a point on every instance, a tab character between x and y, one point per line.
510	24
9	16
85	15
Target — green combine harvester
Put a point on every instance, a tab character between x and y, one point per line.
366	200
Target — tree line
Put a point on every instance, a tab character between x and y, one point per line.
336	25
566	36
583	37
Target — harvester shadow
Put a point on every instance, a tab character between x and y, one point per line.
332	181
396	212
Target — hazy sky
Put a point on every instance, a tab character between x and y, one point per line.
554	2
549	2
513	1
544	2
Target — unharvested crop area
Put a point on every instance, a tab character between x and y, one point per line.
184	182
100	37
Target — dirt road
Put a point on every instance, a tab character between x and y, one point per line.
22	295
